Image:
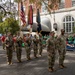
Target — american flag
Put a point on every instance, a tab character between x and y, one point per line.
22	14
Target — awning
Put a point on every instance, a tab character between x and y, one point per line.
34	28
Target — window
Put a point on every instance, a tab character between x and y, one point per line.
44	9
73	3
68	23
62	4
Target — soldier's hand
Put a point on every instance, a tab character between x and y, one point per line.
7	45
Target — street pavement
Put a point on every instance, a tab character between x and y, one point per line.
38	66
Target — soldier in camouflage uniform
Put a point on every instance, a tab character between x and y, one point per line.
18	47
9	47
35	45
28	46
61	47
51	51
40	44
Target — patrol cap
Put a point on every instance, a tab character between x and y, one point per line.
52	32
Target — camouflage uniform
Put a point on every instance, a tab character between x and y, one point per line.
18	48
35	45
28	46
61	44
9	47
40	44
51	51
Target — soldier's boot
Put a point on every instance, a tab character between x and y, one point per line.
40	55
8	63
19	61
51	69
62	66
35	56
28	58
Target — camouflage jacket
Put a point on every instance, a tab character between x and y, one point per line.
61	42
51	44
9	42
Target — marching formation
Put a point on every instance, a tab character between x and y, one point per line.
36	43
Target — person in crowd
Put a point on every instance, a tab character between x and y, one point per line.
3	41
35	45
40	44
61	42
14	40
28	46
9	47
18	47
51	51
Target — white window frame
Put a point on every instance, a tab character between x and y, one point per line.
68	28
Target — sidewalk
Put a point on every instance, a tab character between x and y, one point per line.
35	66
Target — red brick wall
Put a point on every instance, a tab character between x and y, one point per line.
68	3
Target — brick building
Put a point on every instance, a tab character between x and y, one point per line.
63	4
64	17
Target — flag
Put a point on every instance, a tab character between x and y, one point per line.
39	28
30	15
22	14
38	21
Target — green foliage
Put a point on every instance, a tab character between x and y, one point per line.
32	1
9	25
2	27
0	18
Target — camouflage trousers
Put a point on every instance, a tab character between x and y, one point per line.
35	48
14	47
62	53
18	52
9	53
51	59
3	43
40	49
28	52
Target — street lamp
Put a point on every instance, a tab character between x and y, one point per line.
2	10
2	13
55	26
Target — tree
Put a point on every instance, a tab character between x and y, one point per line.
9	25
1	28
50	4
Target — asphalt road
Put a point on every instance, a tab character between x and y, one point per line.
37	66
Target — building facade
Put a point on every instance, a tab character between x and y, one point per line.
64	17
